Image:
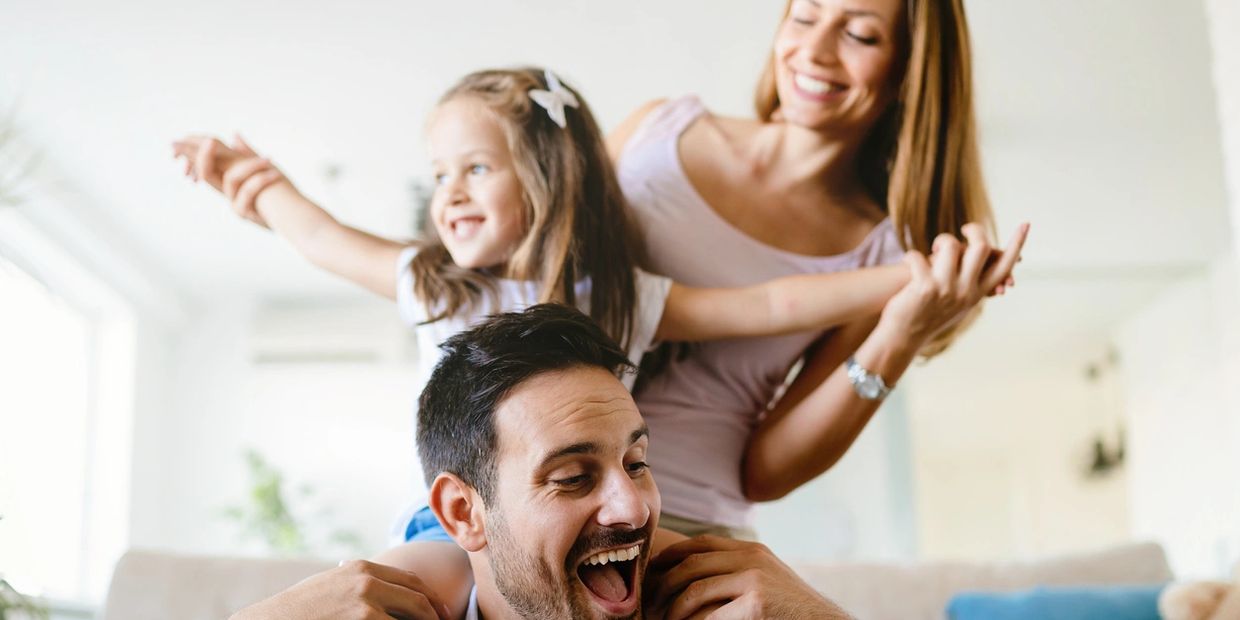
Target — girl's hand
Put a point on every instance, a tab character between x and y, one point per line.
943	289
237	171
206	158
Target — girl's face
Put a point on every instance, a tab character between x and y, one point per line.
834	62
477	207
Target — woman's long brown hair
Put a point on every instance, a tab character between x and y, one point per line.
921	161
576	216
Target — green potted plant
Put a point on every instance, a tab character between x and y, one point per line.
16	164
14	605
268	515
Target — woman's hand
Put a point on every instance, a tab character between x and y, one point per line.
944	288
237	171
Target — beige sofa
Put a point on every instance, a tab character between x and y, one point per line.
157	586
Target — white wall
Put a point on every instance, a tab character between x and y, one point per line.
1000	458
342	428
861	509
1181	362
1224	24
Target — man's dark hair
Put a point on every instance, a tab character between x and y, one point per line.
456	424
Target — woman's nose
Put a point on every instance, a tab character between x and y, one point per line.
820	45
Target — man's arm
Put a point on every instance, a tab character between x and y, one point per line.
356	589
720	578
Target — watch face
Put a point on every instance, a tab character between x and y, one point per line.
868	388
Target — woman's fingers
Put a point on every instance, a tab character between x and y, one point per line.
919	267
999	272
975	255
244	202
204	162
239	172
945	260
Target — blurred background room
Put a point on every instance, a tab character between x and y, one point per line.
175	380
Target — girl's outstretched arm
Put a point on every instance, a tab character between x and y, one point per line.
781	306
260	193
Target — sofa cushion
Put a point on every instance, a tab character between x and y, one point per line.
921	591
157	586
1077	603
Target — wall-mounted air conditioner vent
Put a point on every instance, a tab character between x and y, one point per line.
318	333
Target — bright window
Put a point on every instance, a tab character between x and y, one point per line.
46	428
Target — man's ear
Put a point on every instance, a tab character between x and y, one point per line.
459	509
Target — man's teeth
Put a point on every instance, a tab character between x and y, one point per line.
810	85
622	555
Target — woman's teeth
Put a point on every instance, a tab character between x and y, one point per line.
622	555
814	87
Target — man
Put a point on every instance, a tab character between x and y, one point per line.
536	458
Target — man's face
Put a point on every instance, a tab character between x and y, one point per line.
572	488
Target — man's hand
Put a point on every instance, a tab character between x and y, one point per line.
724	579
357	590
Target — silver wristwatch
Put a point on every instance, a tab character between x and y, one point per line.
866	384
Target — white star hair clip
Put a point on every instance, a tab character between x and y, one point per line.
554	100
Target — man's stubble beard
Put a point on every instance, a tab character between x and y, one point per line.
529	585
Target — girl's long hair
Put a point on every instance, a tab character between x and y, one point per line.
577	220
921	161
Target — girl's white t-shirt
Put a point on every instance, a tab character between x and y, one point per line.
512	296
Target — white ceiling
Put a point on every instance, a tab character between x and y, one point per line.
1098	117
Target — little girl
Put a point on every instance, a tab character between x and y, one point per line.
526	209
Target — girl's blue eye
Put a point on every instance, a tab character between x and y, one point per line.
478	169
440	179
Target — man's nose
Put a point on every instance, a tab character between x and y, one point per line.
623	505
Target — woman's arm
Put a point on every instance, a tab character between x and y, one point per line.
260	193
781	306
820	416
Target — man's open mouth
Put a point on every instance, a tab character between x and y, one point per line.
609	577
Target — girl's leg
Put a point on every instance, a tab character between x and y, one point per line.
441	565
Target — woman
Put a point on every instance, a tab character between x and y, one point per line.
864	146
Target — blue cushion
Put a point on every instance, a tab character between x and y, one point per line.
1087	603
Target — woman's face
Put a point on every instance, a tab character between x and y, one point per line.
834	62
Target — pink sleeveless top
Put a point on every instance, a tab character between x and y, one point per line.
701	409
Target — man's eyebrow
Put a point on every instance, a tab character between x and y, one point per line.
585	447
589	447
644	431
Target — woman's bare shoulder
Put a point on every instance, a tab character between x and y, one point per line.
619	137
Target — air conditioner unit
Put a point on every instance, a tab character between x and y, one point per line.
300	332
